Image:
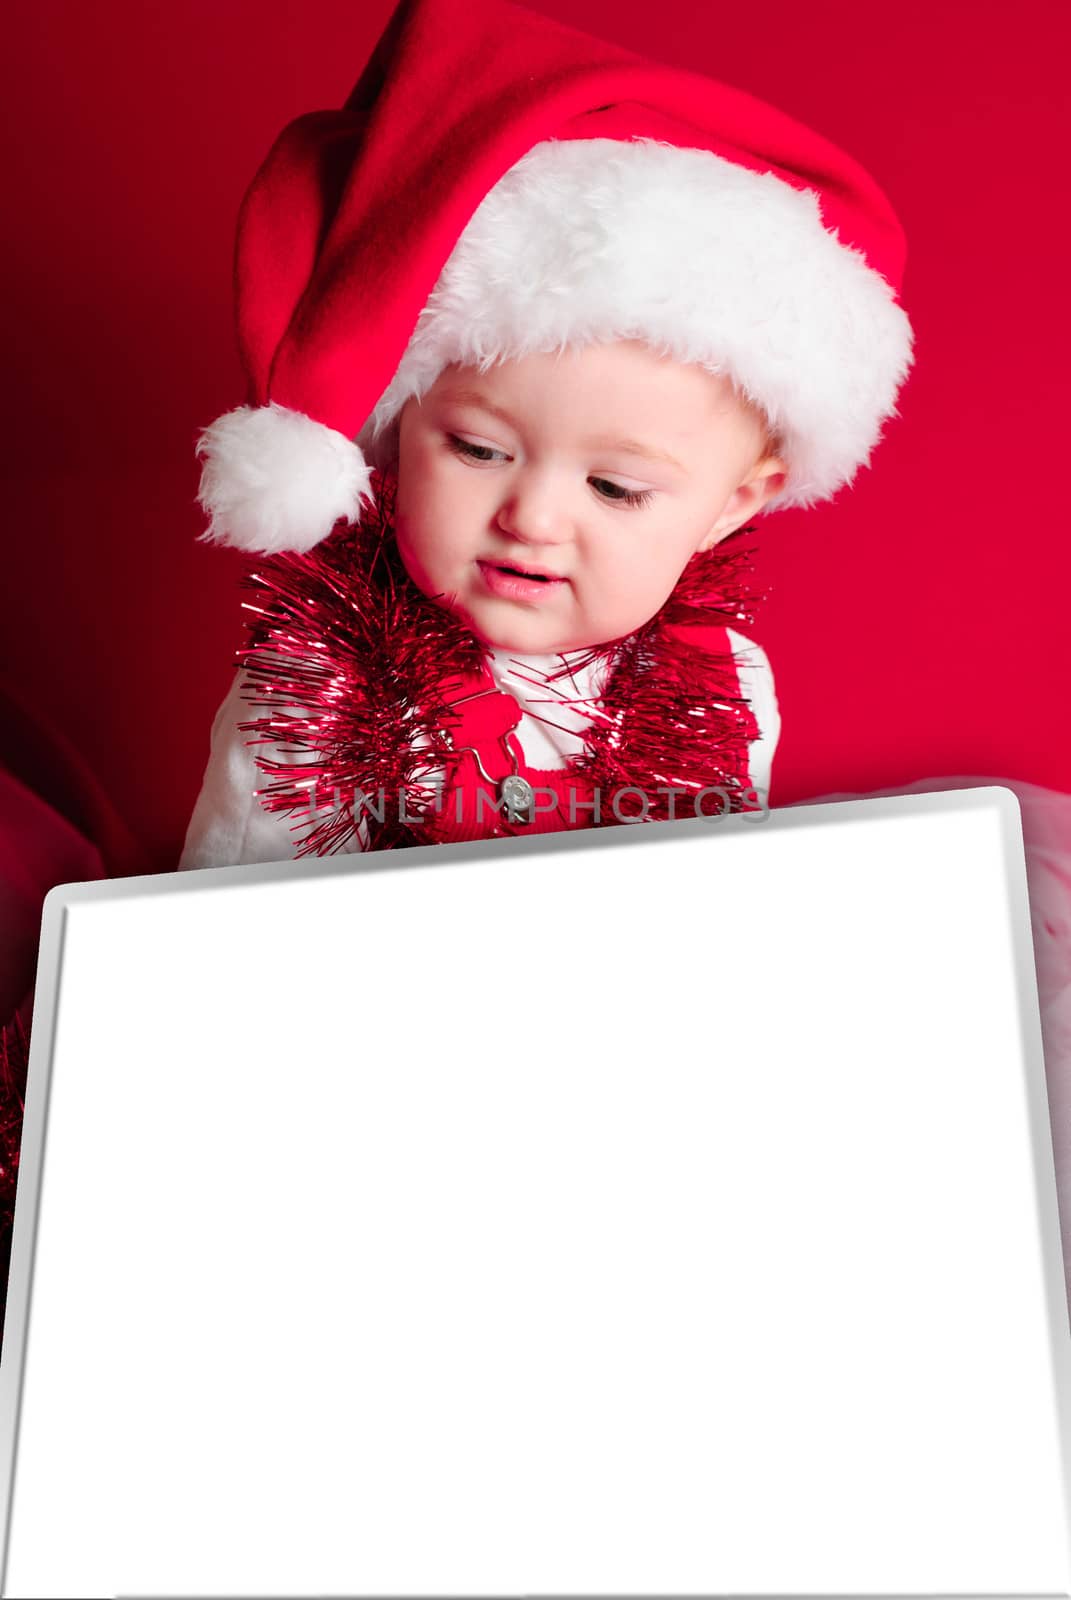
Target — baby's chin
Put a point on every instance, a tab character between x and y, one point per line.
525	632
531	640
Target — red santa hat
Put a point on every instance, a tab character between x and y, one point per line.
500	184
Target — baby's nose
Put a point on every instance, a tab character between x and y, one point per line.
535	515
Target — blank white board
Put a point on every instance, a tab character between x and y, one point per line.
665	1210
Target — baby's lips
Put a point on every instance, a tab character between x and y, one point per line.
523	572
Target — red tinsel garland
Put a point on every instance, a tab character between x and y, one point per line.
14	1058
354	669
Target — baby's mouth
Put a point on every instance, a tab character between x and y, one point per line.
520	585
522	572
516	572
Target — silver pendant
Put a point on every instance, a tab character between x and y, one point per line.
518	797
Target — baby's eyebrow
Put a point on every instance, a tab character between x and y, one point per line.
469	397
631	447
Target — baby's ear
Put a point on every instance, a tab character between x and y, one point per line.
766	479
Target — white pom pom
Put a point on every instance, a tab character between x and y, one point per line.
273	479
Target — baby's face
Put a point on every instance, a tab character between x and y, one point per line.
604	469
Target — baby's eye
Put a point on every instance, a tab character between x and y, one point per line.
474	452
620	495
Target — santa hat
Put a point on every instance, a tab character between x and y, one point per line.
500	184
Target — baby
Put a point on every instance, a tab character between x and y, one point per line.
527	347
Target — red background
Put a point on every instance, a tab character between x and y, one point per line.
918	623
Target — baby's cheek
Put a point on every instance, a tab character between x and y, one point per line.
640	598
412	561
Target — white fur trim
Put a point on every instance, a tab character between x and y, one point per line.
274	479
589	240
